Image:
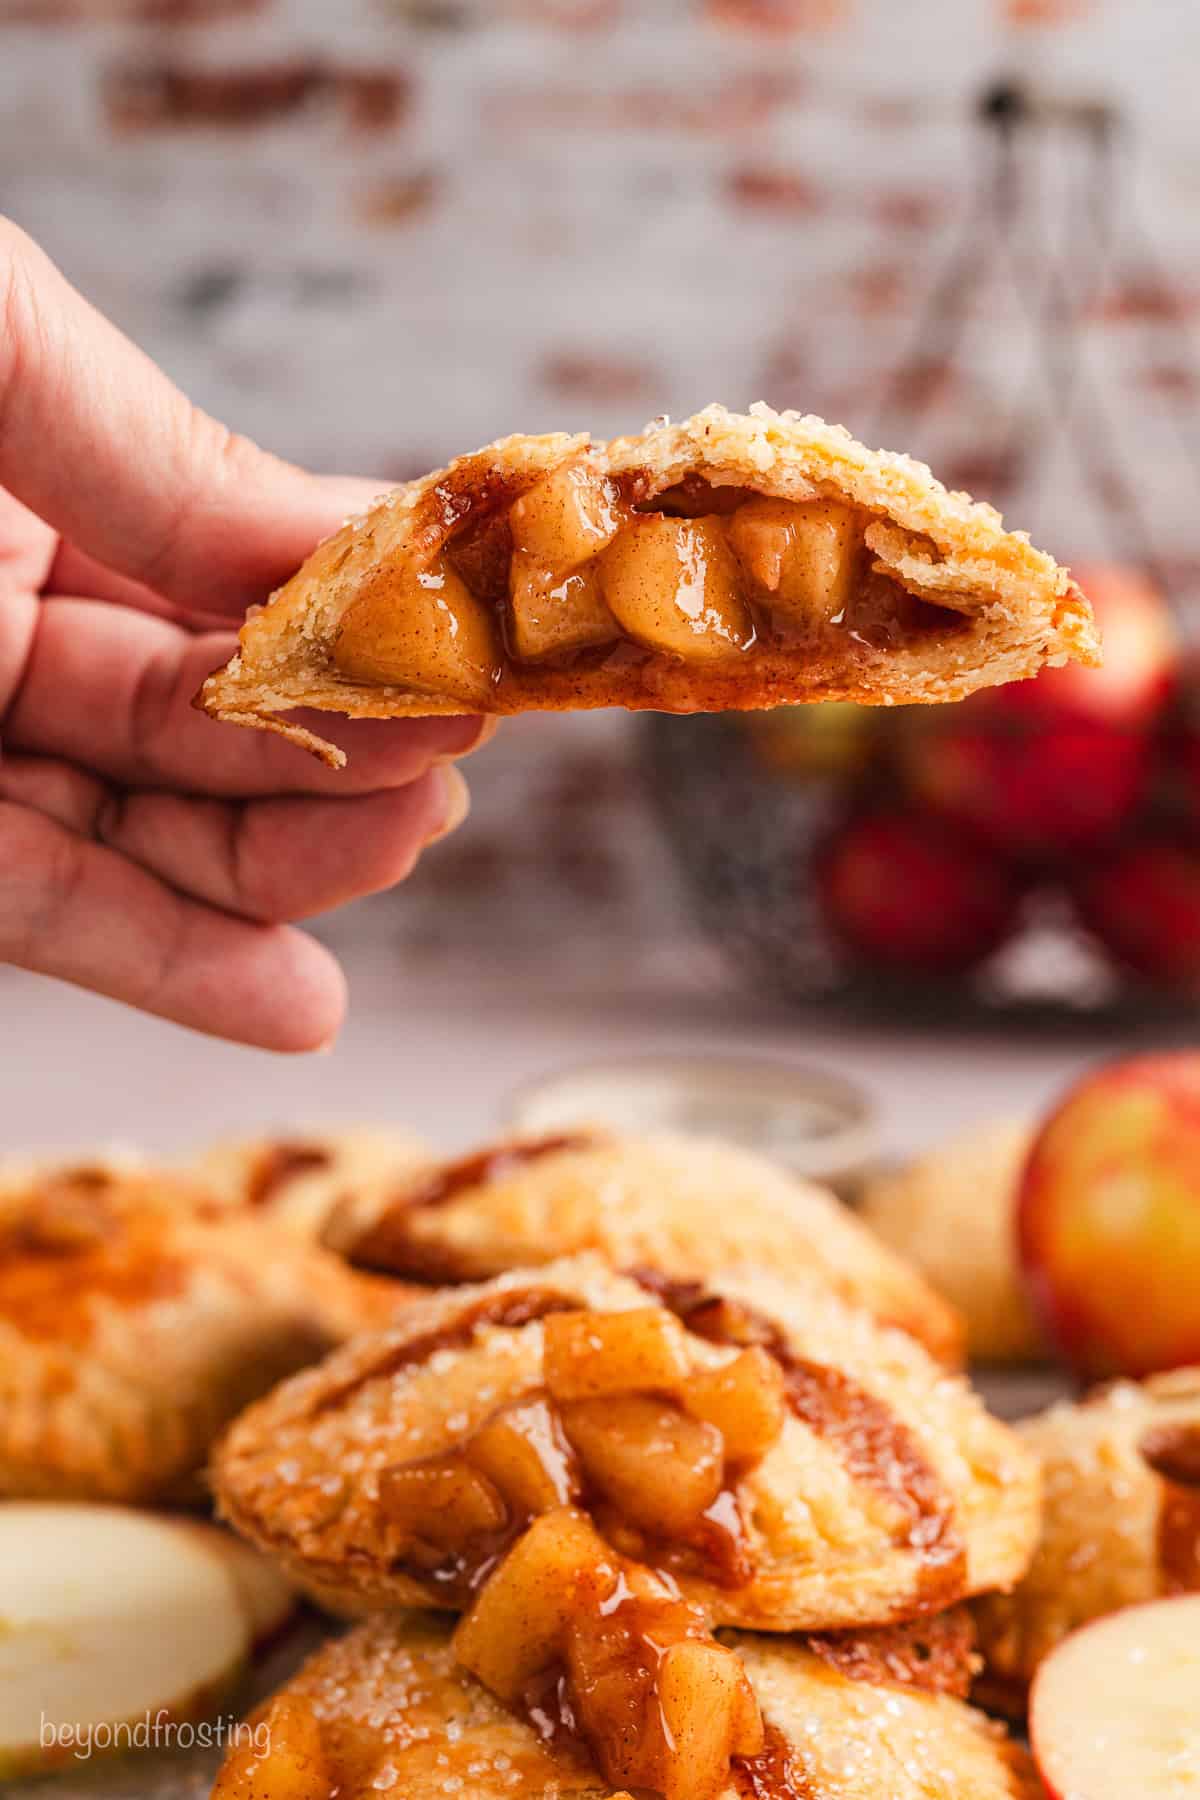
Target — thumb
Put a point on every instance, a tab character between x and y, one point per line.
97	442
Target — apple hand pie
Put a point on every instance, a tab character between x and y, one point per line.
786	1461
136	1319
1121	1522
730	561
386	1710
686	1206
952	1212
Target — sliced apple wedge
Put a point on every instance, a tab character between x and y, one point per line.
1115	1710
268	1597
108	1616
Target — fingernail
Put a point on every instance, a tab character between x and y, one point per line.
485	733
458	804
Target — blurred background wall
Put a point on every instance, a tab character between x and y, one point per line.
377	232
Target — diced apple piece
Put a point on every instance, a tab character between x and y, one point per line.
675	585
710	1714
268	1597
515	1628
805	553
107	1615
1113	1710
588	1354
425	631
280	1757
444	1503
568	517
744	1399
661	1469
523	1451
556	615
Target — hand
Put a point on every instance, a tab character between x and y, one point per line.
145	851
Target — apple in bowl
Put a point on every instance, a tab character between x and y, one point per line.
1108	1218
1115	1710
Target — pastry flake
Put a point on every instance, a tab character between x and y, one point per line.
386	1710
137	1317
785	1460
689	1207
731	561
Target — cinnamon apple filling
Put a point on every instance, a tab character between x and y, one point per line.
580	566
654	1451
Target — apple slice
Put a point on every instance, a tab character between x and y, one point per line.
431	635
267	1596
675	586
109	1617
1115	1710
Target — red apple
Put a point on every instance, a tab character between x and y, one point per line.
904	895
1115	1710
1108	1218
1143	903
1056	766
1181	750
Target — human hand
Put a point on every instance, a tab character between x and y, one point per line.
146	852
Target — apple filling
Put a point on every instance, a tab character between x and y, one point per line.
578	566
624	1427
591	1647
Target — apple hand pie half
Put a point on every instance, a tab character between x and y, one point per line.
730	561
784	1460
1121	1522
686	1206
137	1318
387	1710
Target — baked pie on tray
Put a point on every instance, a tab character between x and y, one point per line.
731	561
388	1710
784	1461
137	1316
687	1206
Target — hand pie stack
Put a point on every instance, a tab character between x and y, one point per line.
689	1207
598	1474
137	1317
1121	1522
730	561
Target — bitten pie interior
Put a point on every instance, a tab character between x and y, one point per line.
731	561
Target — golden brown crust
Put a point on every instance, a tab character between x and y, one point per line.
1121	1522
136	1319
327	1185
890	1492
395	1715
687	1206
1018	611
951	1212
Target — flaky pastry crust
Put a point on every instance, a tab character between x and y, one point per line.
1002	609
136	1318
687	1206
1121	1522
394	1715
890	1492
